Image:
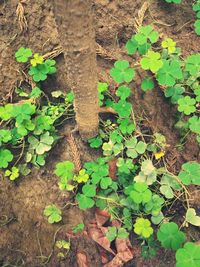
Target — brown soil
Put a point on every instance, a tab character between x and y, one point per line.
28	237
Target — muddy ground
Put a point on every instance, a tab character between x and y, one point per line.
27	239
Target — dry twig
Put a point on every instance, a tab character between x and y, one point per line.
21	17
141	14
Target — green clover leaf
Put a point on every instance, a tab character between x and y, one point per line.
23	54
175	93
122	233
41	145
170	45
89	190
197	26
39	73
5	157
123	108
13	174
132	47
36	92
45	143
140	193
111	234
102	89
147	84
190	173
82	176
146	33
142	227
151	61
193	64
108	148
188	256
105	182
98	167
100	175
36	60
50	66
168	184
63	244
65	170
157	219
191	217
194	124
69	97
154	206
170	236
42	123
6	112
187	105
24	128
125	166
115	137
170	71
23	112
134	147
122	72
126	126
123	92
23	169
114	232
197	93
167	191
53	213
148	173
196	6
95	142
5	136
85	200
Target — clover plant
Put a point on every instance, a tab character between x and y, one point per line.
65	171
190	173
85	199
188	256
145	34
141	193
169	184
147	84
53	213
170	45
135	147
149	248
170	236
196	8
148	173
175	93
192	218
138	187
122	72
13	173
23	54
114	232
142	227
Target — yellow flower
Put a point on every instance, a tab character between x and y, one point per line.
159	154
